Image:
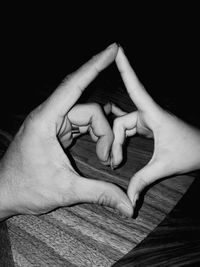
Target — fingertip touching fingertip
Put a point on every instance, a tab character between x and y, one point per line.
120	48
120	53
113	44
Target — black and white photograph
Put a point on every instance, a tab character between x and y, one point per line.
99	136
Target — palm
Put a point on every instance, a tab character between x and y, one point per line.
37	166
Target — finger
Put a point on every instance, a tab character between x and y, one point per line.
144	177
92	135
120	127
111	107
92	115
135	89
103	193
107	108
60	102
86	129
117	111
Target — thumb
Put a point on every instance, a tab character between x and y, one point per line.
103	193
144	177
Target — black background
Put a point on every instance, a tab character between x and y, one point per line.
41	45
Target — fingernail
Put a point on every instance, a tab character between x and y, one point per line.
107	161
112	165
134	199
125	210
110	46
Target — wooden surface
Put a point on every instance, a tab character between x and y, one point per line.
6	258
92	235
176	241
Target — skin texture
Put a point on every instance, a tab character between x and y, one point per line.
36	175
176	144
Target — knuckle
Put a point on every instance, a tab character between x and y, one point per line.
94	60
96	107
67	79
104	199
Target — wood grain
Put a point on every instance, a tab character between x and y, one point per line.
88	234
176	241
6	258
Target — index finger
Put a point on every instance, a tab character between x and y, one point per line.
68	92
135	89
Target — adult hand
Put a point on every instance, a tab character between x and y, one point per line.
176	144
35	174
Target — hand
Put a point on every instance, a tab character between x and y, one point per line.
83	118
176	144
35	174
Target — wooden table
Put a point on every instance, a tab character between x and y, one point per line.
165	231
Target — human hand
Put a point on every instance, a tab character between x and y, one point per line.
83	118
176	144
36	176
